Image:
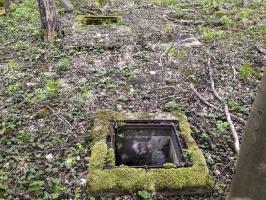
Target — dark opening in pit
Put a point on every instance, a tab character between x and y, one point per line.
147	144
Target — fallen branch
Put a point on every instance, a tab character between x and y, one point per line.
64	120
202	98
213	106
226	110
212	82
232	127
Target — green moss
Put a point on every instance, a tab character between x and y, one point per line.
103	119
195	153
101	124
142	116
97	20
42	113
180	179
100	3
171	106
1	3
169	165
98	156
123	179
110	158
127	180
120	180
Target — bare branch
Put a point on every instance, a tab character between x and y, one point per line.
60	117
226	110
213	106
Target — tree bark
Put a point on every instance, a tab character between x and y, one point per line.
242	3
6	6
49	19
249	181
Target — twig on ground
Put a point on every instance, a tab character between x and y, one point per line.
213	106
64	120
202	98
226	110
232	127
234	72
165	54
167	51
212	82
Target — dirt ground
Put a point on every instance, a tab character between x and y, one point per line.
48	93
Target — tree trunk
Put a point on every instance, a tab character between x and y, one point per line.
6	6
49	20
249	182
242	3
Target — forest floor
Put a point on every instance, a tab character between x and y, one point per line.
146	62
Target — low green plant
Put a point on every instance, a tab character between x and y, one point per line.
210	34
52	86
92	198
246	70
40	94
168	28
99	48
13	88
128	71
222	126
179	13
171	106
244	13
36	186
64	64
50	89
226	21
13	65
143	194
177	53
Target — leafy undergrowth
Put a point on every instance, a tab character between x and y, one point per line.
48	94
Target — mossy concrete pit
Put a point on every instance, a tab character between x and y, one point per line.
97	20
105	178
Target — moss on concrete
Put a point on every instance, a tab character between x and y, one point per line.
169	165
98	155
100	3
124	179
97	20
110	158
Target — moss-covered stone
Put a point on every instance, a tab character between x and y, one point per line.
169	165
110	158
97	20
100	3
98	155
104	177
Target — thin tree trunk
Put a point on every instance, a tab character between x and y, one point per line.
6	6
49	19
242	3
249	182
